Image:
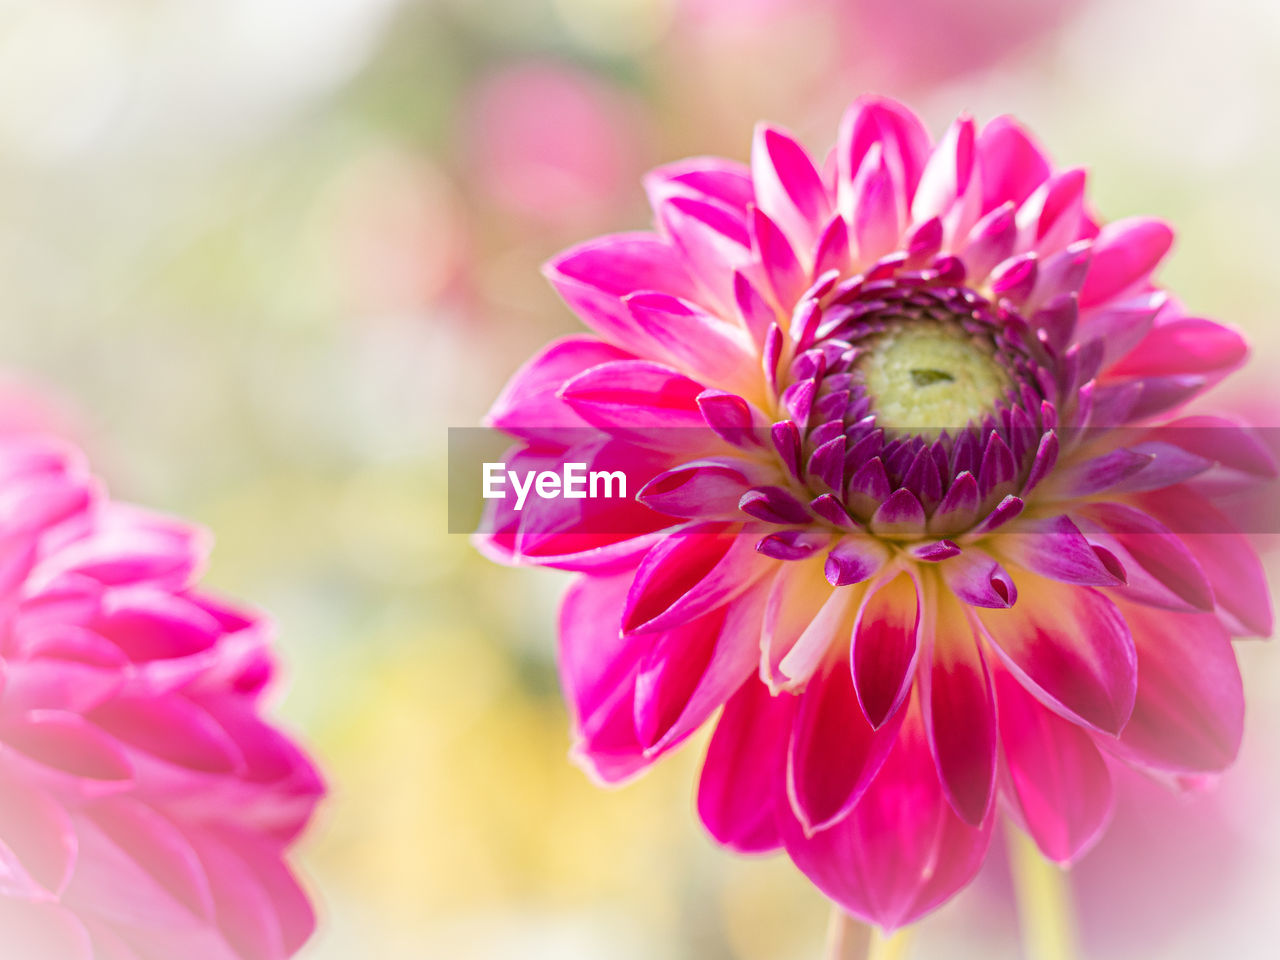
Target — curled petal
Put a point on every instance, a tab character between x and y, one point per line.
1054	547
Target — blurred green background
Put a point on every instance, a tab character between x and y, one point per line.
264	252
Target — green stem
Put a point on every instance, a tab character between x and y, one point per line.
1044	901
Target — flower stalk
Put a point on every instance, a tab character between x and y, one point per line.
1044	901
850	939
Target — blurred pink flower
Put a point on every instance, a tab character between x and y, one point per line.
146	807
552	142
902	425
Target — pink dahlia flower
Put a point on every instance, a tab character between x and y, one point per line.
931	536
146	807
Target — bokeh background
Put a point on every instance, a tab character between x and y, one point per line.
262	253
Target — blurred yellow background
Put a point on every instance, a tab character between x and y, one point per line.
267	251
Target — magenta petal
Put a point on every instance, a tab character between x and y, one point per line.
1139	541
1189	712
787	277
834	752
788	187
1053	773
900	135
1054	547
959	712
707	489
854	559
647	400
1187	345
1012	164
69	743
886	640
1227	558
689	573
707	178
714	242
1124	255
978	579
948	172
598	666
740	785
694	340
529	407
902	851
594	277
691	671
877	208
1071	647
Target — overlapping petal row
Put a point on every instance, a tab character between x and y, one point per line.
921	513
146	806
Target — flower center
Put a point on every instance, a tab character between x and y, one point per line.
924	376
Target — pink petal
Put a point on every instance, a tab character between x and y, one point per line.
598	666
803	618
1012	164
1053	773
529	407
901	136
691	671
715	243
43	931
689	573
877	208
636	399
37	842
1054	547
741	777
172	729
694	340
902	851
709	489
68	743
959	712
1189	712
594	277
948	172
708	178
1071	647
782	268
978	579
1139	541
886	640
1124	255
1187	345
834	752
1227	558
